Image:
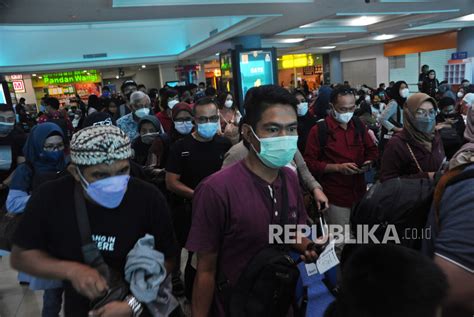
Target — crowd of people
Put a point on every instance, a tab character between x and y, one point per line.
206	176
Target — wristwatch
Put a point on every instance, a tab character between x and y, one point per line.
135	305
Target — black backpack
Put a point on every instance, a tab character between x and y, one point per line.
403	202
267	285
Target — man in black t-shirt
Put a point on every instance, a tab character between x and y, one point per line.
192	159
121	210
12	140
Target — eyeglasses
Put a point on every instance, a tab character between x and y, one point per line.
53	147
426	113
207	119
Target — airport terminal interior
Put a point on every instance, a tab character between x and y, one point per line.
306	158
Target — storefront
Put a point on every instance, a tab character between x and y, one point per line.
212	73
66	85
293	69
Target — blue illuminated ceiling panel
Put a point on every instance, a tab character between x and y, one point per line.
149	3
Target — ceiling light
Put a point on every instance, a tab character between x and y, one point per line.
34	75
291	40
143	66
364	21
84	71
330	47
40	77
117	77
468	18
384	37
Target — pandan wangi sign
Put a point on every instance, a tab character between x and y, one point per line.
70	77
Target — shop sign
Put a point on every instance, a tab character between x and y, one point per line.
19	86
71	77
16	77
308	70
296	60
459	55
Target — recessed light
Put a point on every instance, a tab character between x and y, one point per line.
84	71
40	77
217	54
364	21
117	77
143	66
469	17
330	47
34	75
384	37
291	40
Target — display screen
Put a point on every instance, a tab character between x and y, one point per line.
3	98
256	69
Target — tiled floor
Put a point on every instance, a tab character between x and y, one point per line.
20	301
16	300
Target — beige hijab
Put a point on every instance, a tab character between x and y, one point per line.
409	118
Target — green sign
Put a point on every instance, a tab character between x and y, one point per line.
77	76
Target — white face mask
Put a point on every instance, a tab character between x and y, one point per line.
142	112
172	103
367	99
302	108
460	94
343	117
404	93
228	103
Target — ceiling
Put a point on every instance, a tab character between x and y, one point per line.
57	34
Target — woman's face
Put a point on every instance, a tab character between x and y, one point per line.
113	107
147	128
426	109
432	75
183	116
403	86
229	97
53	143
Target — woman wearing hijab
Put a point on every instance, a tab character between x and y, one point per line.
430	84
182	116
44	161
417	151
149	128
321	107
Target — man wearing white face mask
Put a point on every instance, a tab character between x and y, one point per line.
120	211
338	153
140	104
305	120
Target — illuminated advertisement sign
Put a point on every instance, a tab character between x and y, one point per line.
256	69
77	76
19	86
3	97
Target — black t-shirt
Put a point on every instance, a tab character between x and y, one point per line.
50	224
305	124
195	160
141	151
11	147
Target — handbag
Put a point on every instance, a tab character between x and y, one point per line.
118	288
8	224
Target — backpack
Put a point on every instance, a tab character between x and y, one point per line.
403	202
323	132
267	285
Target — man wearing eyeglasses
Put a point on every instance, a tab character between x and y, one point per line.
192	159
338	152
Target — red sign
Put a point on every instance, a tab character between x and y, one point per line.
19	86
16	77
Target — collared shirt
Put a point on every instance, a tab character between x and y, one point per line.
232	211
129	126
341	147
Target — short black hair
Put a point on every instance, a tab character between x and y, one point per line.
389	280
382	84
259	99
341	90
299	92
141	86
464	81
204	102
22	99
128	83
52	102
202	84
106	88
210	92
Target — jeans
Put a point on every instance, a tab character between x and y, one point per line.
52	301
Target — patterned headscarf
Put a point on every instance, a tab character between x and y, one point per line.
100	145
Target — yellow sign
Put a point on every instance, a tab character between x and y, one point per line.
296	60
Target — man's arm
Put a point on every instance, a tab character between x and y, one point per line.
204	284
174	185
86	280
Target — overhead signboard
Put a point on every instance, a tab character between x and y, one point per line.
70	77
19	86
296	60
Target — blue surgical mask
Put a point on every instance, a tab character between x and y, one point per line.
6	128
184	127
277	152
53	156
302	109
107	192
425	124
208	130
142	112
